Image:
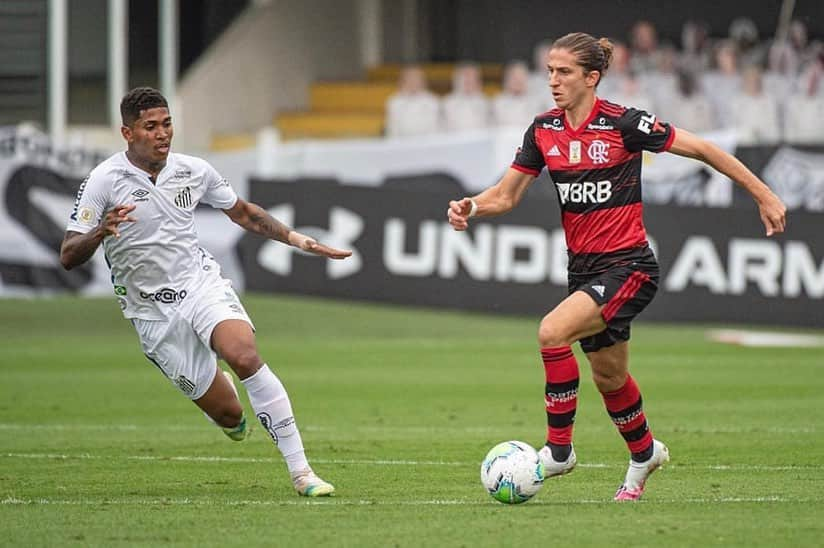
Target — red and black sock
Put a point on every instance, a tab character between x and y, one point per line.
561	369
625	408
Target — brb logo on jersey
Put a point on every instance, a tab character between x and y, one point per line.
598	152
585	193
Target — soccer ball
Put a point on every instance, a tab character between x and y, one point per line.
512	472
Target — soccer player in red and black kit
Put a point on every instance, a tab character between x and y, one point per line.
593	151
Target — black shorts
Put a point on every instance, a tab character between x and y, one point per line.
623	291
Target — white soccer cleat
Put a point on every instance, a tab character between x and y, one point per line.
308	484
553	467
638	472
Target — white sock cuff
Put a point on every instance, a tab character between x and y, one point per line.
262	378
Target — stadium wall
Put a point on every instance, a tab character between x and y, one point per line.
264	62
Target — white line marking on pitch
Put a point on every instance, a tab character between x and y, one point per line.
383	462
13	501
378	429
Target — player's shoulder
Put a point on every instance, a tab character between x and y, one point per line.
620	116
109	169
552	119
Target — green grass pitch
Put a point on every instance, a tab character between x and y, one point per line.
397	407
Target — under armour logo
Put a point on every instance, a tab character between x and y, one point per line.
344	228
598	152
274	429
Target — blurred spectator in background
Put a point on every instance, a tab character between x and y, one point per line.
413	110
804	111
723	82
612	81
696	53
629	92
514	106
661	84
789	54
689	107
466	107
539	78
744	36
754	113
644	43
811	80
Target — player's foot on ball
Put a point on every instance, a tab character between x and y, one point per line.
638	472
308	484
553	467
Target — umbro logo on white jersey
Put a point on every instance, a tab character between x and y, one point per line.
554	151
599	289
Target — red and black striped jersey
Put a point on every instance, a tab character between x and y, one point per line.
596	170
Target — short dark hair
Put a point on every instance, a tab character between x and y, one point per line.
137	100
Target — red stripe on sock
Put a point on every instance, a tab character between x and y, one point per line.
559	436
622	398
624	294
627	396
560	366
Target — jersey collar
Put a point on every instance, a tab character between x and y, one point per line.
169	162
585	123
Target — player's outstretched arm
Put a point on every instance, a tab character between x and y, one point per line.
77	247
772	210
255	219
496	200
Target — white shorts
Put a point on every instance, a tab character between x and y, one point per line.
180	345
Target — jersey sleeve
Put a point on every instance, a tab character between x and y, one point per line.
529	159
642	130
92	202
219	193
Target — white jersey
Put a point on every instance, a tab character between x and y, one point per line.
156	261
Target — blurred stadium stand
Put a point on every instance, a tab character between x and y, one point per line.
246	64
23	28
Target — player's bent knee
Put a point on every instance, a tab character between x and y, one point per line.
245	361
550	337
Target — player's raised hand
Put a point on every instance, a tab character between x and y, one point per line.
119	214
311	245
773	214
459	212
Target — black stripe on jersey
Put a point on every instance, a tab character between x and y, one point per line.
624	187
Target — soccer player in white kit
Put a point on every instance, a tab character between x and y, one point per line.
140	205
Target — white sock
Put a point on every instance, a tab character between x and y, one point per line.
271	405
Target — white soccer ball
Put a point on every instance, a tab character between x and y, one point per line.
512	472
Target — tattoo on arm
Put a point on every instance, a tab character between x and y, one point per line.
78	248
260	222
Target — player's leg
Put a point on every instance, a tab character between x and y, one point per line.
234	341
191	366
623	401
221	405
621	295
575	317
